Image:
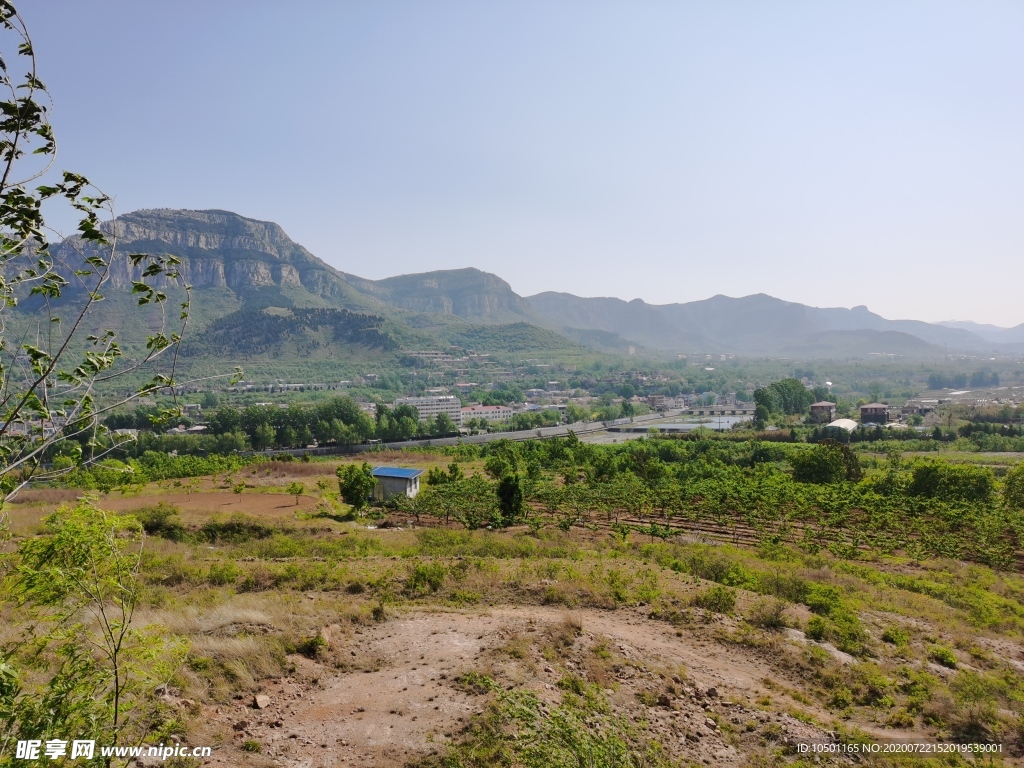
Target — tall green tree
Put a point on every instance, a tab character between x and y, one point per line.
788	396
356	484
510	499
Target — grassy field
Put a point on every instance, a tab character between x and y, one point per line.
377	642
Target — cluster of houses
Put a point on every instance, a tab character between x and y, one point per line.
871	414
689	400
432	406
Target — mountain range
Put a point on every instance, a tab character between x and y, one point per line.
991	333
259	295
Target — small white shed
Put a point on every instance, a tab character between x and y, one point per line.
392	481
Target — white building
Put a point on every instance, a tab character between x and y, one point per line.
430	407
392	481
488	412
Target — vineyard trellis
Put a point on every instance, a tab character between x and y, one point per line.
744	494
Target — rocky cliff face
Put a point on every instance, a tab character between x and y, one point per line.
220	249
241	267
220	231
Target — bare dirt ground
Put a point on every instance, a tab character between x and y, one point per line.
194	508
200	499
198	508
390	694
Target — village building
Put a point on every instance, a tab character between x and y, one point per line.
823	412
395	481
874	413
488	412
431	407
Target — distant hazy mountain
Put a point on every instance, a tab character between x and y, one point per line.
992	333
757	324
259	294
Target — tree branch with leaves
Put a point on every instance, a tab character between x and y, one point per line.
59	373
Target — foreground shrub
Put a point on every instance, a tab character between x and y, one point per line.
426	578
717	599
768	614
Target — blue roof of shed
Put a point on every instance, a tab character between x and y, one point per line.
405	472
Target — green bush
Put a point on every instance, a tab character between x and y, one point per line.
717	599
222	574
842	629
823	598
949	482
827	462
848	634
943	655
573	684
1013	488
235	530
842	698
896	636
312	647
817	628
161	521
475	683
426	578
63	462
768	614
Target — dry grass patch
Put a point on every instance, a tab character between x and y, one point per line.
599	664
518	647
224	619
53	496
558	640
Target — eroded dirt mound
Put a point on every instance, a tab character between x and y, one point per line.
394	693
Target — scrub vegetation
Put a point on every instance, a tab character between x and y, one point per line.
885	607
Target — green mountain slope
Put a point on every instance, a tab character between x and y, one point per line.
257	296
260	296
466	293
276	333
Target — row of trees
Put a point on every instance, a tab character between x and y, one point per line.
961	380
788	397
815	494
338	420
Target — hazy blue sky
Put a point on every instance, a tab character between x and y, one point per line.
829	153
